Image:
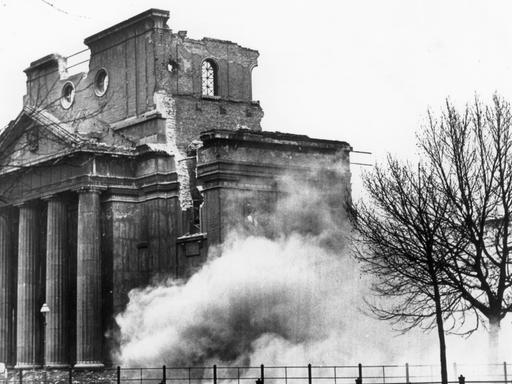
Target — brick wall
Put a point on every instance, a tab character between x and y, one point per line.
194	116
136	55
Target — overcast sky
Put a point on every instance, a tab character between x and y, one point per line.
360	71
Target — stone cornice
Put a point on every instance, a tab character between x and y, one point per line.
236	170
278	140
142	151
120	186
231	184
116	196
131	121
190	238
150	14
61	155
216	99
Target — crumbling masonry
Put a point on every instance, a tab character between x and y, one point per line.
126	174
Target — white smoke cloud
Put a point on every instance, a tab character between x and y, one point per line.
292	299
282	301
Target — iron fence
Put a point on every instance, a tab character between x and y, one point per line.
309	374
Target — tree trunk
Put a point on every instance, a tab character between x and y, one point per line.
494	340
440	332
439	318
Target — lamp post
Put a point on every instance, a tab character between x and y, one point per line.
45	309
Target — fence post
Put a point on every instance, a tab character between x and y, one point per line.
359	379
262	374
462	379
164	375
21	376
118	374
309	374
407	373
214	374
70	377
505	371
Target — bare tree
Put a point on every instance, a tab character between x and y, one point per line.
396	242
471	158
438	237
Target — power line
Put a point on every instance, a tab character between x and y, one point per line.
63	10
77	53
104	49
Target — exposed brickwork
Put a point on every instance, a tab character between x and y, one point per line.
194	116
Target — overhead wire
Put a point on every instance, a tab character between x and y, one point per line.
63	10
101	50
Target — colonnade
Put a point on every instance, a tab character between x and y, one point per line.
28	295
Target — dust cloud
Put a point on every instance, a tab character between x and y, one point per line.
294	297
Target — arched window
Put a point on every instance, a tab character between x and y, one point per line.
209	78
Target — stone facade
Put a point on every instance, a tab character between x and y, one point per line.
126	175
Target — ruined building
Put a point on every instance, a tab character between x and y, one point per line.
128	173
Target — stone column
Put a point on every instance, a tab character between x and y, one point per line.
57	337
6	295
89	335
29	318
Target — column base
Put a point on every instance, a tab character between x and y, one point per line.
89	365
27	366
57	365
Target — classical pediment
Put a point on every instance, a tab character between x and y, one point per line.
33	137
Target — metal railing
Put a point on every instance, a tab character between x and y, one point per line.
309	374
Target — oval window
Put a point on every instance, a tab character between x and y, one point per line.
68	95
101	82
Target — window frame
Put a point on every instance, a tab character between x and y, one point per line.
204	77
63	100
106	80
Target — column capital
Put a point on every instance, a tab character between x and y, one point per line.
89	189
5	211
51	196
25	203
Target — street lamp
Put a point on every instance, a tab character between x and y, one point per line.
45	309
